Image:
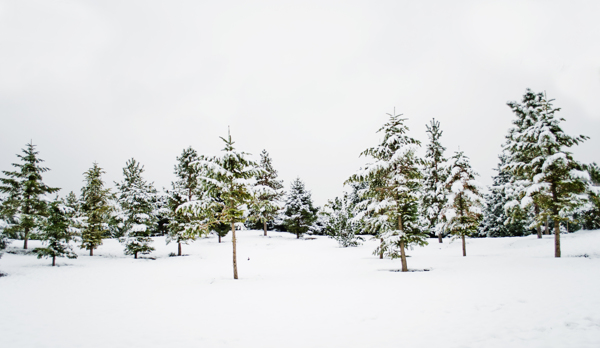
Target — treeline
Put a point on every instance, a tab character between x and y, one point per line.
210	195
403	199
398	197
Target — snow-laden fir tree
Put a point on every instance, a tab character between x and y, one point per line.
392	200
184	226
58	231
464	209
229	181
435	173
268	193
527	113
26	202
589	214
136	198
552	179
496	222
95	208
299	213
339	222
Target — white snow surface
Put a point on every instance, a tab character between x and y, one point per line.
508	292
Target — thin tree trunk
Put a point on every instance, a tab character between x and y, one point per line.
403	257
440	237
91	251
265	227
539	228
381	249
53	261
547	231
556	238
219	238
26	238
464	245
402	254
297	235
235	273
135	255
556	222
178	249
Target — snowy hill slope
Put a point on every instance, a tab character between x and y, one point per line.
508	292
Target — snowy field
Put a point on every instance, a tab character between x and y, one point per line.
508	292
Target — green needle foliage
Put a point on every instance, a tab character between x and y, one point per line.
25	205
95	207
392	199
57	232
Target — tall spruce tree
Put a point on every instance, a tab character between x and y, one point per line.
299	213
57	233
394	181
552	179
464	208
229	181
435	173
527	113
25	193
268	192
136	198
95	207
184	226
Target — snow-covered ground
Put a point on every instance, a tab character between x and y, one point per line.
508	292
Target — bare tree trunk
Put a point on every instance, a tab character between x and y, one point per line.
539	228
440	237
53	261
403	257
219	238
178	249
26	238
402	254
297	235
556	238
464	245
235	274
135	255
265	227
547	231
381	249
91	251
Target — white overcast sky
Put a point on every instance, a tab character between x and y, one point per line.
309	81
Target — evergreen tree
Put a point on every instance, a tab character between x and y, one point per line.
496	222
590	213
392	200
553	180
25	202
229	182
57	232
183	225
299	213
435	174
463	210
268	192
95	207
136	198
339	222
527	113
